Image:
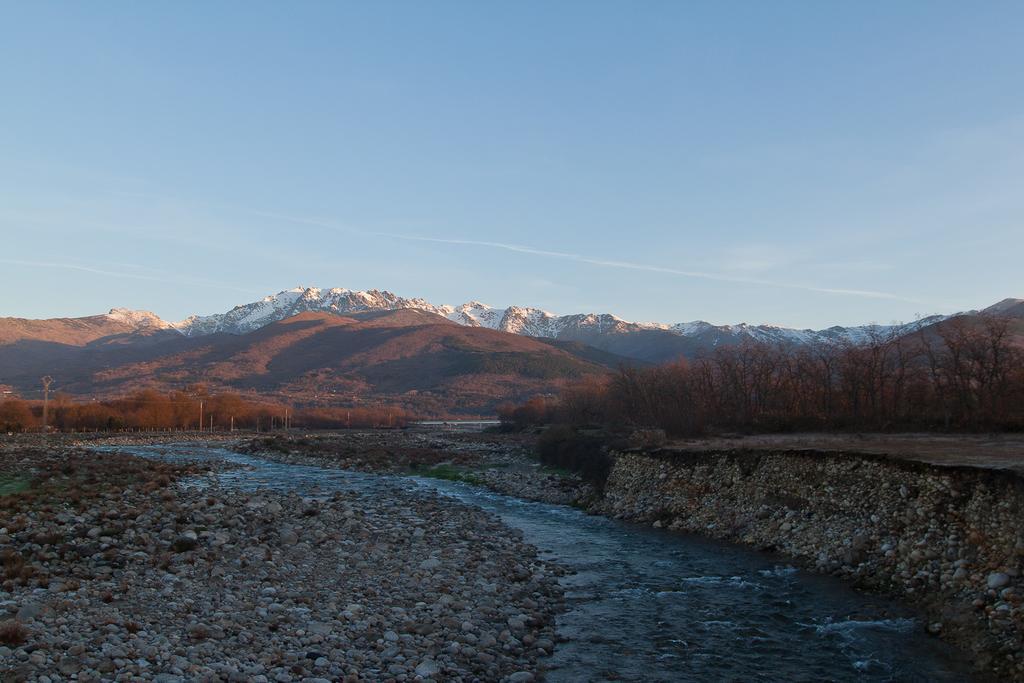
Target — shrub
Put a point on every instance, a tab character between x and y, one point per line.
536	411
15	416
184	544
565	447
12	632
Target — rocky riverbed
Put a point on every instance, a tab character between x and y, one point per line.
113	570
502	463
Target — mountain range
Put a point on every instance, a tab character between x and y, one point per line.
338	345
651	342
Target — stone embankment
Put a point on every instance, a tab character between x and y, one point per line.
950	539
112	571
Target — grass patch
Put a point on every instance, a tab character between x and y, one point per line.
449	473
13	483
557	471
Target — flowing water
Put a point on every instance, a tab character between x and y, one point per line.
653	605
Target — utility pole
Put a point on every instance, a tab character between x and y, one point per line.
211	423
47	381
232	423
200	416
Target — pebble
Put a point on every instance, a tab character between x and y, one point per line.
427	668
997	580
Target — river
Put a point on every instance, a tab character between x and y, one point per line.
652	605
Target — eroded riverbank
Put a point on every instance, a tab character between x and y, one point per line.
948	539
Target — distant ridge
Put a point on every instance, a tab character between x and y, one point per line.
648	342
653	342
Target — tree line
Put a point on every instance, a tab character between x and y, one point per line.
966	373
153	410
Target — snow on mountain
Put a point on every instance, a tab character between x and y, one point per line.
143	320
531	322
474	314
527	321
249	317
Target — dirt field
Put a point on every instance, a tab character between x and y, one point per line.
990	451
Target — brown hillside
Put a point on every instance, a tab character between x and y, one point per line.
69	331
415	358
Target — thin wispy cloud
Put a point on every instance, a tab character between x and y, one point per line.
534	251
122	274
83	269
596	261
630	265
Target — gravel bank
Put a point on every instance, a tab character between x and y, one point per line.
501	463
115	572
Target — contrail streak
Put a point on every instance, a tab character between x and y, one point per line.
119	274
630	265
581	258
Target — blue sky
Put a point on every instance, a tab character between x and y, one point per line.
799	163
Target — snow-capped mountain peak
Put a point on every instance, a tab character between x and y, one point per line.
139	319
474	314
284	304
532	322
